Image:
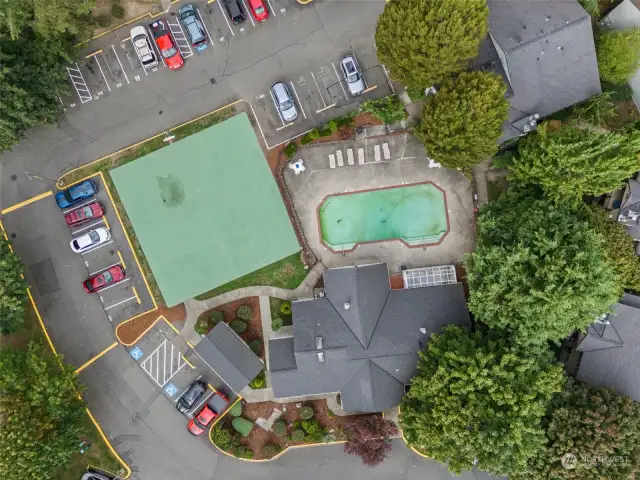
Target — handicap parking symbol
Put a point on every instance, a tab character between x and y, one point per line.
136	353
171	389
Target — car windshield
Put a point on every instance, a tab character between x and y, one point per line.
169	52
108	278
95	238
286	105
87	211
259	10
68	196
140	41
353	78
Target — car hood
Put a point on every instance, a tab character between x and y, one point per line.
357	86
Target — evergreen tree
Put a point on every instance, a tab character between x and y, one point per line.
13	290
618	54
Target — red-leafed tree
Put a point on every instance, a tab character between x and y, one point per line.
369	437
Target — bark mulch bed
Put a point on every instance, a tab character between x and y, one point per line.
130	332
254	326
259	437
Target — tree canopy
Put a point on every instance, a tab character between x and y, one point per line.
539	271
368	437
48	18
570	162
618	54
478	397
600	427
13	290
462	123
42	416
423	42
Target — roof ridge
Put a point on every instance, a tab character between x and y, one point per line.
550	33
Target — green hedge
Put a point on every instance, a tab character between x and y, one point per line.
242	426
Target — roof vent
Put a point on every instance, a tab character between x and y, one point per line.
559	48
320	357
318	343
347	305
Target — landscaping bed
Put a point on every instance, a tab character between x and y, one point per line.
129	332
279	309
323	427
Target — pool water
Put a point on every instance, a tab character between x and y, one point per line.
415	214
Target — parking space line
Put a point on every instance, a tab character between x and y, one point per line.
248	13
273	12
319	92
119	303
135	292
193	367
369	89
294	91
105	268
101	71
106	222
96	357
94	53
115	285
326	108
87	227
120	63
212	388
97	248
225	19
81	87
155	46
284	126
181	40
204	24
339	81
276	106
26	202
124	265
77	206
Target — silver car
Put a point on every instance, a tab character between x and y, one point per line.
284	102
352	74
143	47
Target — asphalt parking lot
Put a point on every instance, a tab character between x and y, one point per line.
41	238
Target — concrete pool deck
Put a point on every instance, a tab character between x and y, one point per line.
407	165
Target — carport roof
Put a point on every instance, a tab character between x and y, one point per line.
206	210
228	356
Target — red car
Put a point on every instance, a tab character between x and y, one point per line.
218	404
259	10
104	279
163	38
84	214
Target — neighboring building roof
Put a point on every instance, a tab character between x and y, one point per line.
611	351
630	209
362	339
545	52
229	356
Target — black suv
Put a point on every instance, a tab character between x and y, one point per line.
234	10
191	396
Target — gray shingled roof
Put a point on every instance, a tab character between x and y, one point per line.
227	355
617	362
370	349
545	50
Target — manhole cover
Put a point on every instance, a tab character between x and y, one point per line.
136	417
14	178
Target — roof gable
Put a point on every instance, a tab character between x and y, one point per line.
371	389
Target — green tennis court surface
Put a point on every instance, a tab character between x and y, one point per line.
206	210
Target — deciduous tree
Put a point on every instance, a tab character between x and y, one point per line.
539	271
462	123
618	54
570	162
48	18
13	290
422	42
478	398
42	416
368	437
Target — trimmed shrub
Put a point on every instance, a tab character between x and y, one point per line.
117	11
279	428
297	435
306	139
244	312
223	438
256	346
333	126
388	109
345	120
236	410
285	308
241	451
326	132
217	317
270	450
103	20
290	149
276	324
242	426
315	431
314	134
238	326
415	93
258	382
306	412
202	326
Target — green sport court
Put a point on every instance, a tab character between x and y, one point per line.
206	210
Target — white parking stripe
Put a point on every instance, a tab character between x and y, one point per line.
340	81
225	19
95	57
119	303
273	12
80	85
97	248
204	25
103	269
180	39
276	105
248	13
164	363
319	92
294	91
120	63
155	46
78	206
114	285
87	227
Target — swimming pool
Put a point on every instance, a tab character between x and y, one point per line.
414	214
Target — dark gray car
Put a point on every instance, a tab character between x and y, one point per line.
284	102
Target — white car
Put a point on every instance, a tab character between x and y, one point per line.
142	45
353	75
90	240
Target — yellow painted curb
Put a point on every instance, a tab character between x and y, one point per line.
60	182
304	2
106	440
26	202
92	360
220	417
171	325
124	265
142	334
404	439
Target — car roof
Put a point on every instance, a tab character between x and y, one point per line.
281	91
84	240
138	30
164	42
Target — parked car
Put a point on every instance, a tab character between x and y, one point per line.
234	10
84	214
91	239
259	10
94	476
199	423
352	74
284	102
166	45
104	279
193	27
76	193
191	396
143	47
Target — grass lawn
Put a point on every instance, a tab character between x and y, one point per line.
287	273
98	454
275	304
